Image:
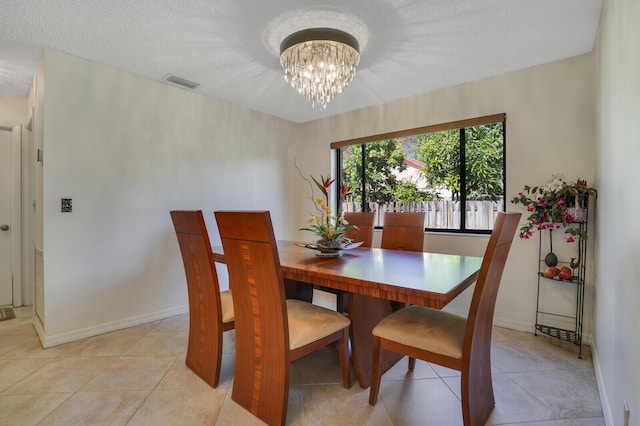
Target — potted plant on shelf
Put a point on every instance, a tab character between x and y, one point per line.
555	204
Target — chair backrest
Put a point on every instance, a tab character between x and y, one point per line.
202	280
364	223
255	278
480	318
403	231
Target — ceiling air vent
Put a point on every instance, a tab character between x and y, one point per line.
181	82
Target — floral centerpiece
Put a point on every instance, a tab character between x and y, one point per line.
557	203
329	227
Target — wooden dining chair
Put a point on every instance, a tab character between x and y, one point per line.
403	231
271	332
450	340
210	310
364	227
400	231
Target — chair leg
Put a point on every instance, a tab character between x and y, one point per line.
412	363
204	354
476	390
343	353
375	372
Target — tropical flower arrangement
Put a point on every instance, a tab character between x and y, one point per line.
329	227
555	204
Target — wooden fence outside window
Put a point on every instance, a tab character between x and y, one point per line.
442	214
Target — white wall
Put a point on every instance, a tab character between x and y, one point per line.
128	150
617	338
550	129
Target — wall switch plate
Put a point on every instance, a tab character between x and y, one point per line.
65	205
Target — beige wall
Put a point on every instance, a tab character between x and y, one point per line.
128	150
13	110
550	129
617	338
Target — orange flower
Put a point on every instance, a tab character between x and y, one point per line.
345	190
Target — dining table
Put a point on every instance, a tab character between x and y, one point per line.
377	282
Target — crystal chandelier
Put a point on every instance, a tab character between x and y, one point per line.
319	62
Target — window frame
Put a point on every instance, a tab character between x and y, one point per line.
459	124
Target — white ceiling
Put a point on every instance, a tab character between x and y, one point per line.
231	47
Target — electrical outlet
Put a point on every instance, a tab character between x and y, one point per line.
627	413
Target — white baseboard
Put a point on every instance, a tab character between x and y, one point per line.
604	401
70	336
501	322
37	324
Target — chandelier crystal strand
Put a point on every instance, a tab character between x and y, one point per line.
319	69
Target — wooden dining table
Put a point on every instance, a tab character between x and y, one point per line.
378	281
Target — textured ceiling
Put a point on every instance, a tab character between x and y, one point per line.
230	47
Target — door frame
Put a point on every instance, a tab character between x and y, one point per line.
15	250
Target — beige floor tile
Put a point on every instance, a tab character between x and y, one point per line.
180	377
514	404
18	325
232	414
180	407
14	370
27	410
319	367
60	375
400	371
130	373
569	393
110	344
421	402
97	408
444	371
169	343
335	405
518	352
12	342
141	329
176	323
33	349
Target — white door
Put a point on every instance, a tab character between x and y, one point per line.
6	283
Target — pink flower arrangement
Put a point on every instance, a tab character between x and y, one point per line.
550	206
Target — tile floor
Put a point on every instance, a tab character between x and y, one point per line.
137	376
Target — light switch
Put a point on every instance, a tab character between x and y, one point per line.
65	205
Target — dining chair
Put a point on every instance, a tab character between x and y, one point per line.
364	227
210	310
271	331
403	231
400	231
450	340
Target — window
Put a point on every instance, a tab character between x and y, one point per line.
436	169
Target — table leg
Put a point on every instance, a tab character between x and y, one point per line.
298	290
365	312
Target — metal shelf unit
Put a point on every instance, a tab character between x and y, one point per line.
543	326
